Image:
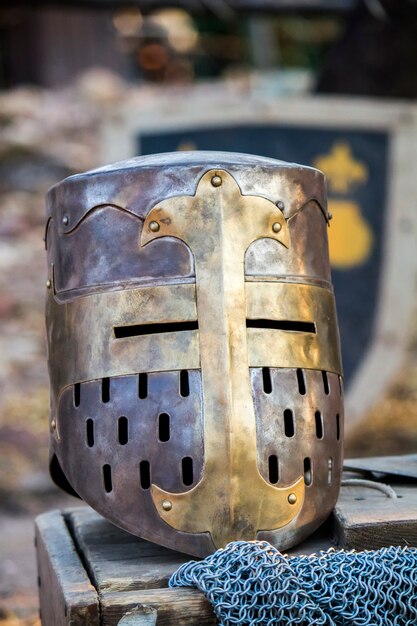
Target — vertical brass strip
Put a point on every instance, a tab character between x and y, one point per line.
232	500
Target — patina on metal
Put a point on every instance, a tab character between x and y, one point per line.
196	378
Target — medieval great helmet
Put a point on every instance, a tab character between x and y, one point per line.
196	391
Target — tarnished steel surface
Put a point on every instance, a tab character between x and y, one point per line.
294	427
108	205
193	348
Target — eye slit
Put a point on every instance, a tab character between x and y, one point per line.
143	386
107	480
184	384
273	469
301	382
326	383
289	325
266	380
164	427
137	330
145	474
319	425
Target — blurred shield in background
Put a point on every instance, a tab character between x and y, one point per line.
368	150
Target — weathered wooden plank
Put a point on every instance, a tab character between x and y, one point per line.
366	519
66	593
131	574
175	607
404	465
118	561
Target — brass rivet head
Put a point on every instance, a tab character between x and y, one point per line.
48	284
166	505
65	220
280	205
292	498
276	227
154	227
216	181
53	425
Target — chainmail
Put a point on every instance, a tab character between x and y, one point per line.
253	583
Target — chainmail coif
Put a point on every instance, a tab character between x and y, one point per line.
253	583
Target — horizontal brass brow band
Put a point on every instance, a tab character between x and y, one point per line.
108	352
88	336
136	330
289	325
309	310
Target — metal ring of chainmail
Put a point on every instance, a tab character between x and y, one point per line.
253	583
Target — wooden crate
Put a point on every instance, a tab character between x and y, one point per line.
94	574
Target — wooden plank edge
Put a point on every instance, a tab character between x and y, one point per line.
373	536
110	566
180	607
65	590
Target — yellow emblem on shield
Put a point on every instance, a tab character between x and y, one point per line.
350	237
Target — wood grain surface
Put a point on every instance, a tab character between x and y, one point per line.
92	573
66	593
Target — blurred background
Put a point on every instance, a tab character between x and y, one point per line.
64	67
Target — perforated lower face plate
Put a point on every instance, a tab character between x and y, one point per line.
118	436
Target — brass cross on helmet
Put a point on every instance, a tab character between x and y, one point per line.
219	224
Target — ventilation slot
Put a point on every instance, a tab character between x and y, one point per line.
107	478
90	432
319	425
330	471
77	394
266	380
187	471
325	383
294	326
338	427
123	430
143	386
120	332
301	382
289	423
105	389
308	471
273	470
184	384
163	427
145	474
